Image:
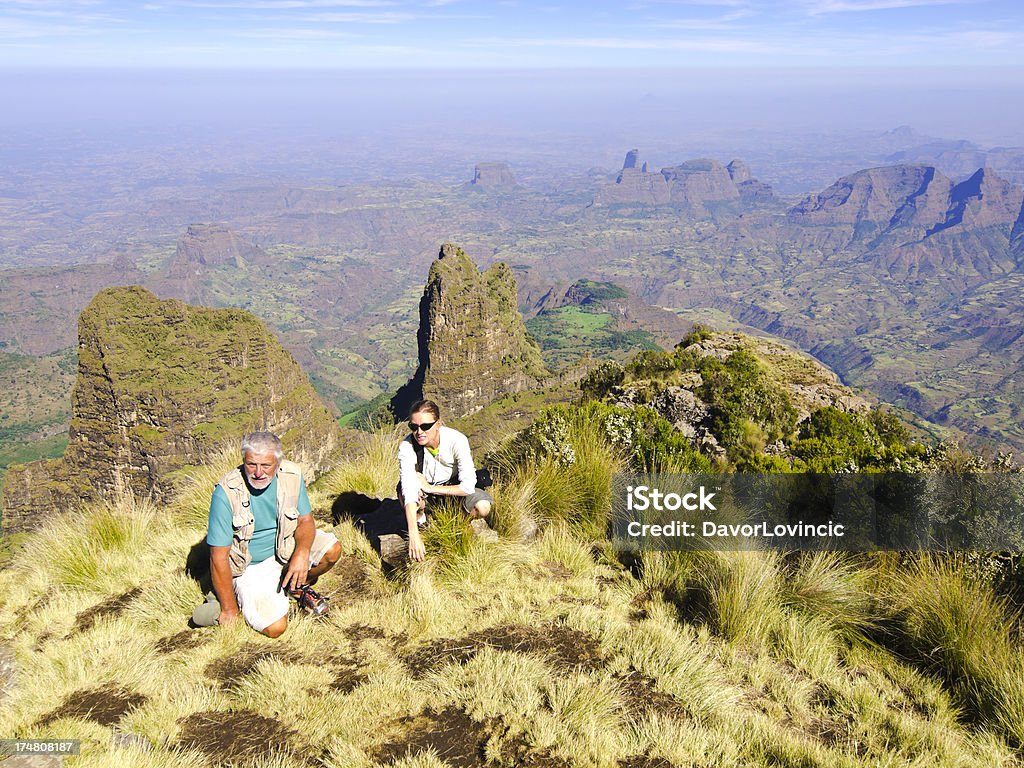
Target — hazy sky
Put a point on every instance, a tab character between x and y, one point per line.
429	34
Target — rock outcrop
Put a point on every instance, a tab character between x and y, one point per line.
210	245
692	184
473	346
696	182
493	175
750	189
808	384
160	385
1017	238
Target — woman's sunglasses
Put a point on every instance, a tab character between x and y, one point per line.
425	426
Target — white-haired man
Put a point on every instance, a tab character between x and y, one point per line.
263	543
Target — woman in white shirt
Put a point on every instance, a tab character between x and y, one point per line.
435	461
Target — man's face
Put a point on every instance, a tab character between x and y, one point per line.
260	468
421	436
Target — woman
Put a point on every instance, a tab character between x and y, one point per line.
435	461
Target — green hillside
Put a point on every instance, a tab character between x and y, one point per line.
557	651
35	406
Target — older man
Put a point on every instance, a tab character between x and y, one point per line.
263	543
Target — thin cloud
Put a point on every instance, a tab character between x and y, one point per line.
719	23
356	18
822	7
289	5
293	34
709	45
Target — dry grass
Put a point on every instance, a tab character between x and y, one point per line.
544	654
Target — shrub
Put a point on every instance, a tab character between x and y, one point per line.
739	390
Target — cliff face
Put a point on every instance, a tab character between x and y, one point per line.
691	184
159	385
210	245
473	346
696	182
914	220
493	175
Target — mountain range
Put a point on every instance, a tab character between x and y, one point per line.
905	280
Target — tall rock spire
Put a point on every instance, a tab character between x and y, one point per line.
473	346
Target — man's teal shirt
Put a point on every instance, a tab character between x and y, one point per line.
264	511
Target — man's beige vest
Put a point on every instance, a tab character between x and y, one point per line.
289	481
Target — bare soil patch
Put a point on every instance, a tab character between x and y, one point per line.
557	570
357	632
347	579
458	739
643	697
111	607
181	641
644	761
519	753
563	647
105	706
348	677
229	737
230	670
462	742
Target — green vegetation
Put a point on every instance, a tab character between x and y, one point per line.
47	448
567	333
35	405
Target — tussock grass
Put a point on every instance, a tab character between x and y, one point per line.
956	626
540	493
135	757
558	546
682	742
194	485
372	472
832	588
580	721
675	659
494	684
572	485
737	593
91	549
726	659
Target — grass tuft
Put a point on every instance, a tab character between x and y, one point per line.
372	472
958	627
830	587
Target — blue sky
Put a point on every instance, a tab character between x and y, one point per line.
440	34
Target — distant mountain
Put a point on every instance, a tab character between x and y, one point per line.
41	304
493	175
912	219
961	158
210	245
692	184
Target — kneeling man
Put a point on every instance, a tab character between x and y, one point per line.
264	545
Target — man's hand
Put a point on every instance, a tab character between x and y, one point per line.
227	617
297	572
417	552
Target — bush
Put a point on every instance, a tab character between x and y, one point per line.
738	391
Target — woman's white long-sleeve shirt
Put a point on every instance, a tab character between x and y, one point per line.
453	458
